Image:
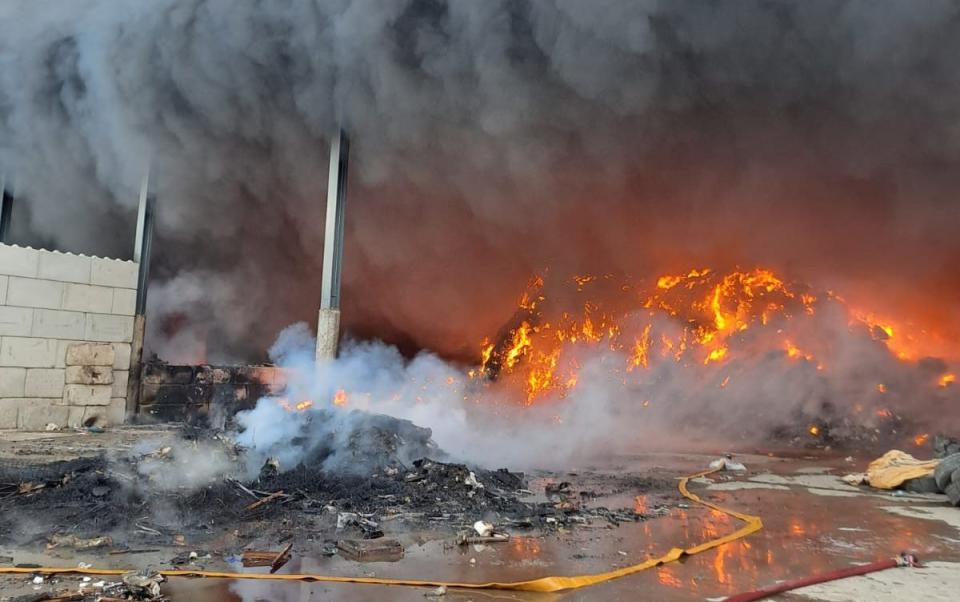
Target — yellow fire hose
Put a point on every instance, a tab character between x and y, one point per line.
543	584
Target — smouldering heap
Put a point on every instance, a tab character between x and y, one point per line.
702	318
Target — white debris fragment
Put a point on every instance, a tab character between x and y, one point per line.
471	481
84	565
37	580
726	464
483	528
345	519
856	478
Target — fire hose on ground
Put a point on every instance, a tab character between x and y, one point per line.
553	583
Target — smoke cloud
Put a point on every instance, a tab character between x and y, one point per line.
490	140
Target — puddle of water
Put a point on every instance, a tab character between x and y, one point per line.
803	534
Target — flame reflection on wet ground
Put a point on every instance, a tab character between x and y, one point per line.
803	534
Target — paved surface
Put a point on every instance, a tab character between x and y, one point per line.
813	522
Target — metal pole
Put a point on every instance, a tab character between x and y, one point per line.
6	209
333	237
328	321
141	255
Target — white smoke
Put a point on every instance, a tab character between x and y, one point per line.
667	405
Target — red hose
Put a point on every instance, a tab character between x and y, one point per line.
853	571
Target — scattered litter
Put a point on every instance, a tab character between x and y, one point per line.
365	550
472	482
726	463
144	583
437	593
78	543
266	500
483	528
466	538
891	470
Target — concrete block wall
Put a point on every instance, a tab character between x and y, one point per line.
66	325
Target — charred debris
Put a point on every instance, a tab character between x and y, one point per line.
393	480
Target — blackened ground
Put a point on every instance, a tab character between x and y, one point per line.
107	494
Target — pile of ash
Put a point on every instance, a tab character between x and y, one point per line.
199	486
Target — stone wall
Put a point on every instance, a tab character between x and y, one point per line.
66	323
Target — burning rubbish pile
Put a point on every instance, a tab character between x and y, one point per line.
802	362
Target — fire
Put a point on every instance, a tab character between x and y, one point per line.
920	440
301	406
340	398
521	343
814	430
697	317
640	350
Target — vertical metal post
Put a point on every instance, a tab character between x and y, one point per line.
328	321
6	209
141	255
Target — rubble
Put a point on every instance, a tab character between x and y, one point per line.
143	584
364	550
59	540
944	446
225	516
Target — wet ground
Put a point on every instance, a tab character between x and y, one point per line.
812	522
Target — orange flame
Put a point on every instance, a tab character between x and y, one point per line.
340	398
698	317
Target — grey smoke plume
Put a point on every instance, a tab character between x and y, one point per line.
612	409
490	139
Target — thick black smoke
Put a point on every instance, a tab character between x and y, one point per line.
490	140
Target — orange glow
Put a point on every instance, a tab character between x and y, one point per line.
640	504
716	355
920	440
795	352
340	398
521	343
524	547
666	577
284	403
697	317
814	430
640	349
